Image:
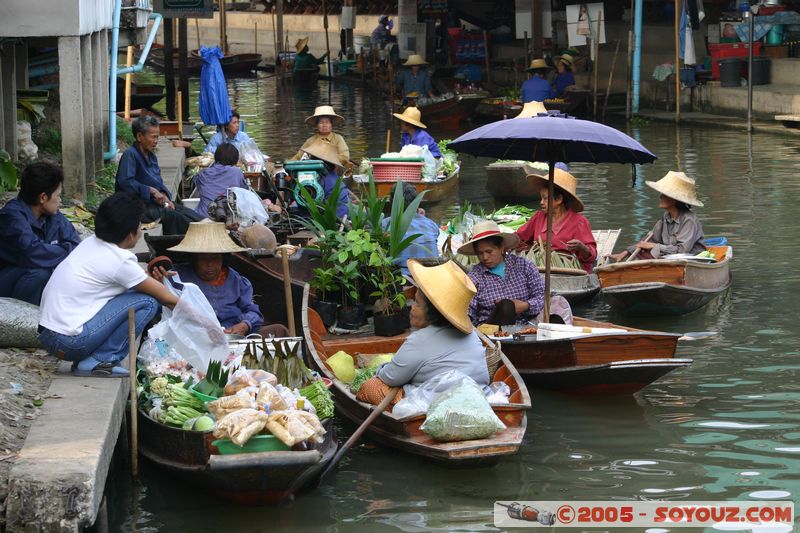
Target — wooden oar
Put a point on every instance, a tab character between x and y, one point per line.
380	408
287	287
133	398
636	251
388	139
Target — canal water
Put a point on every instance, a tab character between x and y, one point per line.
725	428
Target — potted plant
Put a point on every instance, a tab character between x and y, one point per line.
326	288
391	314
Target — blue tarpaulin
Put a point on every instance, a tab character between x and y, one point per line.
213	103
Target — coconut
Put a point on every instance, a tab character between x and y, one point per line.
259	236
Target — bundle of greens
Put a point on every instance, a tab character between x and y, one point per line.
177	396
320	397
362	375
214	382
537	254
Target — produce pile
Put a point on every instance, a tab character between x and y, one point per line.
271	394
343	366
449	157
536	254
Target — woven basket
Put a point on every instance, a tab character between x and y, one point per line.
493	359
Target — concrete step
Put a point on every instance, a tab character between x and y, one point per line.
768	100
785	71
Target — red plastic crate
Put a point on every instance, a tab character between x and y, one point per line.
391	170
728	51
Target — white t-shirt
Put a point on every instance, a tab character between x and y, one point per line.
90	276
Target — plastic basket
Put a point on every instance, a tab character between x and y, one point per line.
391	171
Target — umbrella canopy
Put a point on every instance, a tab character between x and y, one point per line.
551	137
213	103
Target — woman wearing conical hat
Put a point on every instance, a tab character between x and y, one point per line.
564	77
304	60
677	232
324	120
326	153
413	131
537	88
414	81
572	232
444	338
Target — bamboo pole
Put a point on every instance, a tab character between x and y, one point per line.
596	45
275	41
287	289
327	48
388	139
133	395
128	81
255	36
610	78
197	33
677	64
180	115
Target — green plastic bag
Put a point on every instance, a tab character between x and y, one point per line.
461	413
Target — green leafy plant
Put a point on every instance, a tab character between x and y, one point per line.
638	121
8	172
49	140
124	132
322	214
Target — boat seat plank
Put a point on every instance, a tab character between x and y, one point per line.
654	271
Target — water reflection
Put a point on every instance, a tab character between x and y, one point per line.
724	428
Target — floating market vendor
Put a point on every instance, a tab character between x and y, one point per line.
34	236
427	231
413	131
304	60
324	119
510	288
230	133
537	88
382	34
679	231
572	232
326	153
444	338
138	172
564	78
84	311
229	293
414	81
213	181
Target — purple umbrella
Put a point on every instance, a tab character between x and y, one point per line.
552	137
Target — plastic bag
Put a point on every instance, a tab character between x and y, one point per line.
244	378
417	398
497	393
461	413
230	404
240	425
192	328
429	170
247	206
251	156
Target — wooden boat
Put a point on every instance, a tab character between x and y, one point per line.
576	103
143	95
493	109
510	182
155	59
243	63
263	478
405	433
452	110
610	363
437	190
664	287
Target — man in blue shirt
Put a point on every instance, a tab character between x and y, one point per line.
34	236
414	131
229	134
138	172
536	88
426	244
414	81
382	34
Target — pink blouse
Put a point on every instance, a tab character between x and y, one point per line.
571	226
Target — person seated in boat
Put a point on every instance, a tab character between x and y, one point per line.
326	153
213	181
34	235
138	172
229	293
414	80
413	131
572	232
305	60
230	133
324	119
382	34
84	312
564	78
537	88
426	244
443	338
678	231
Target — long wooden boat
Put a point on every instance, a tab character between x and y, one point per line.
451	111
155	59
510	182
437	190
404	433
493	109
242	63
665	287
143	95
576	103
610	363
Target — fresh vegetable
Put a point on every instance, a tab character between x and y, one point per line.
177	396
177	416
342	365
200	423
536	254
159	386
378	360
362	375
320	397
708	254
214	382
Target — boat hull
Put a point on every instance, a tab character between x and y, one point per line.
659	299
510	182
576	289
490	110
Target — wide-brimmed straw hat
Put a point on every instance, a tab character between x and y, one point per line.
488	228
677	186
448	288
531	109
537	64
411	115
300	44
566	59
325	151
207	238
414	59
565	183
325	111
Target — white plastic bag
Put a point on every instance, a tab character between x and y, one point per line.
461	413
192	328
251	156
247	206
417	398
429	170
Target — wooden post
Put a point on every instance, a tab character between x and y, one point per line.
133	395
287	288
388	139
169	68
527	53
610	78
327	48
486	51
275	41
197	33
128	81
183	67
536	27
596	45
223	35
279	31
180	115
678	63
255	37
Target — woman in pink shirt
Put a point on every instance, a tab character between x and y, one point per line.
572	232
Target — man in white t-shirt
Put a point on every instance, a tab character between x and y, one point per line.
84	311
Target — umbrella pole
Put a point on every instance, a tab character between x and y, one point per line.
549	241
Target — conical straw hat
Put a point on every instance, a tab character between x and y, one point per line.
325	151
677	186
325	111
531	109
414	59
537	64
566	59
565	182
484	229
207	238
411	115
300	44
448	288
